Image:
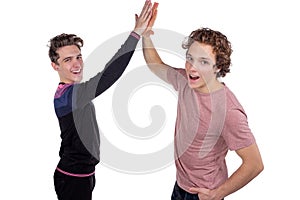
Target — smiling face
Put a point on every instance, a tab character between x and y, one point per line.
69	64
200	68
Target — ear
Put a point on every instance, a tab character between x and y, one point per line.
55	66
217	70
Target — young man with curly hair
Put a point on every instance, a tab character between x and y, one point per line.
74	177
210	120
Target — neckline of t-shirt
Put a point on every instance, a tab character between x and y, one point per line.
211	93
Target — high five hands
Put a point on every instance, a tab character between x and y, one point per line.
145	21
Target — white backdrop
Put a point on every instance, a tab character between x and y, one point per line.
265	40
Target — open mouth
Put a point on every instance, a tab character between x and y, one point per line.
76	71
193	77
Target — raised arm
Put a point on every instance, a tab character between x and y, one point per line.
152	58
113	70
117	65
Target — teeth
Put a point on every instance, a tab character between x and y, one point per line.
192	77
77	71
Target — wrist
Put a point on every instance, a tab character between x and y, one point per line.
147	35
135	34
138	31
219	193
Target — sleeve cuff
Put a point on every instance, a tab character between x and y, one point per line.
136	35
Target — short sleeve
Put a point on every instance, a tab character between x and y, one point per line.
176	77
237	133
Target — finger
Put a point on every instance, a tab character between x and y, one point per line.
136	17
146	4
151	32
194	190
155	5
146	9
154	14
199	190
148	15
153	18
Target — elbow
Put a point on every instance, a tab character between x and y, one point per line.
260	167
255	167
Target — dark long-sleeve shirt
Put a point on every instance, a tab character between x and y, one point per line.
79	151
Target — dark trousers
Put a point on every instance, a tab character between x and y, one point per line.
73	188
180	194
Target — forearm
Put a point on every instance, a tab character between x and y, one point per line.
117	65
87	91
153	60
150	54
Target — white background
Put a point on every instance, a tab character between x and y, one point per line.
265	39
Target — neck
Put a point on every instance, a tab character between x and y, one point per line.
209	88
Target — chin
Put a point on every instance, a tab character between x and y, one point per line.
197	86
193	86
78	79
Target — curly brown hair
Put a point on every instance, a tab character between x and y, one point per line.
220	44
61	41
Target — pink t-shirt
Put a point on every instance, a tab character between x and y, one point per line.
207	125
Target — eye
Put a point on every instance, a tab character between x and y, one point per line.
189	58
204	62
79	57
67	59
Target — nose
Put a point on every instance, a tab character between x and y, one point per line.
190	66
77	63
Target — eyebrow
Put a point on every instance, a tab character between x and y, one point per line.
71	57
202	58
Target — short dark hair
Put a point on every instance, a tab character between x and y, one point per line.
220	44
61	41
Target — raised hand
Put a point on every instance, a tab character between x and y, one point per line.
142	20
149	30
